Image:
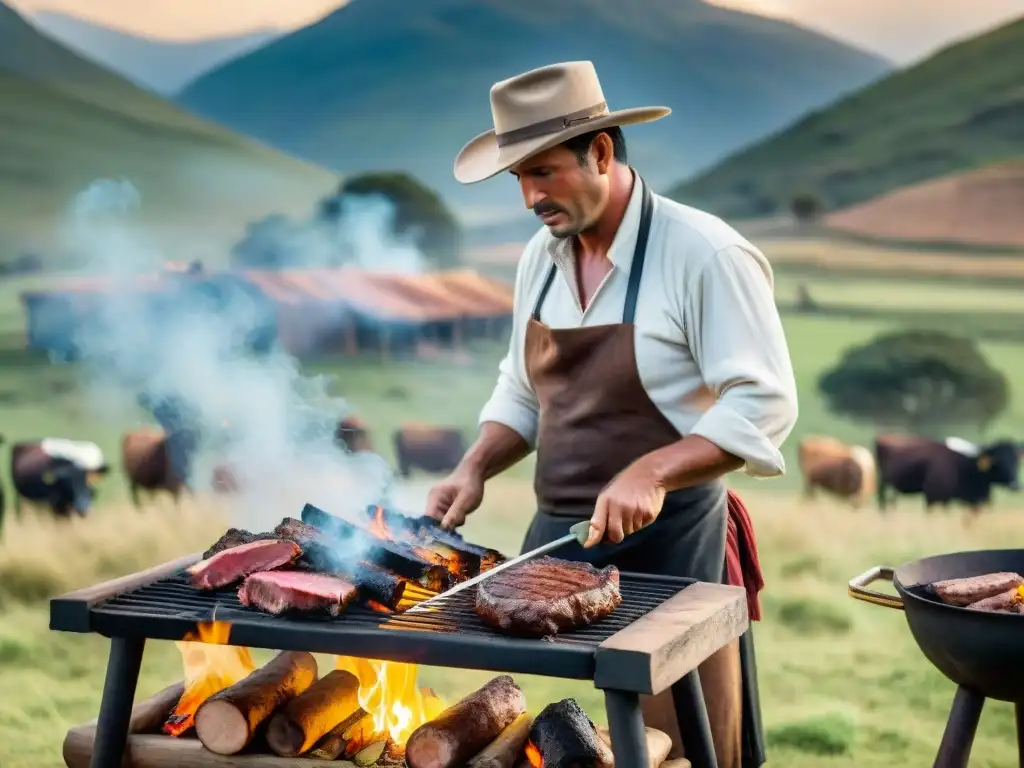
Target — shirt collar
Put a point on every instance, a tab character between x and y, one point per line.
621	251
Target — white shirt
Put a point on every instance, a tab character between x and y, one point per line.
710	348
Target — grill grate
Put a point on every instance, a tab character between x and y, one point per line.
450	635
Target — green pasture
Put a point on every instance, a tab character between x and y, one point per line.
842	683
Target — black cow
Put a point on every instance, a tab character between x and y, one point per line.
56	472
945	471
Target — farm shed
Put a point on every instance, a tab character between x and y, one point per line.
310	311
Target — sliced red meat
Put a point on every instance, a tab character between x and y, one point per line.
234	564
279	591
547	596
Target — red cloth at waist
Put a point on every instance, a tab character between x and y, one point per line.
742	566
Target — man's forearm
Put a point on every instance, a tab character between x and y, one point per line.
497	448
690	461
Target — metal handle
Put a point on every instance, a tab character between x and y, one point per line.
582	531
859	591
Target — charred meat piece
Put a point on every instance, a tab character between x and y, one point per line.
280	591
963	592
231	565
235	537
547	596
296	530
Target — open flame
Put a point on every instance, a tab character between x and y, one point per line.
437	553
534	756
389	694
210	666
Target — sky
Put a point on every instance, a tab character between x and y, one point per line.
901	30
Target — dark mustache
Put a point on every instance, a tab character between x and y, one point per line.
542	208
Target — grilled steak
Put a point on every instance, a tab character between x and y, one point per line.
231	565
279	591
547	596
969	590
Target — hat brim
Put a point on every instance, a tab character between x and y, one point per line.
482	158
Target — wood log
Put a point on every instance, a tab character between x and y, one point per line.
227	721
506	750
659	744
429	531
147	716
390	555
679	762
566	737
296	727
464	729
332	745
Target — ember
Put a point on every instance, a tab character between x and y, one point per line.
389	694
533	755
210	666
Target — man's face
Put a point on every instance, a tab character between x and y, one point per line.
567	196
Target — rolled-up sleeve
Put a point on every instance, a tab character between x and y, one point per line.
735	335
513	401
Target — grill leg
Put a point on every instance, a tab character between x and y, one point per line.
626	726
118	697
694	726
962	725
1019	707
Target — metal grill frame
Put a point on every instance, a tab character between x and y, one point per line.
131	610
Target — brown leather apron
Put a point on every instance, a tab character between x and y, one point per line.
595	419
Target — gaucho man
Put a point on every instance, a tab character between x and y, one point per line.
647	360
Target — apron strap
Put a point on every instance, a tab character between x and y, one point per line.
636	268
544	292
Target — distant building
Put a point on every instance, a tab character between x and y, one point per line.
307	312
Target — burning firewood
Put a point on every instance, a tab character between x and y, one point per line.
369	755
428	532
463	730
226	722
297	726
507	750
333	744
388	554
564	737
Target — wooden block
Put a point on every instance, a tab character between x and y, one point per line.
658	649
659	744
70	612
680	762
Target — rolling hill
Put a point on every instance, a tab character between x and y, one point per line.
957	110
387	84
65	122
161	66
976	208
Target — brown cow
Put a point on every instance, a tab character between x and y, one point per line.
225	479
147	462
353	435
432	449
846	471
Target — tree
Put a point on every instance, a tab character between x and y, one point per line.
419	212
806	206
925	381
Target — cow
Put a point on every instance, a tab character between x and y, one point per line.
846	471
432	449
154	461
945	471
352	435
60	473
224	479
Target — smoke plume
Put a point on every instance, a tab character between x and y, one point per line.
259	415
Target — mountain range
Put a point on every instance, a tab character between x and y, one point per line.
388	84
66	122
161	66
959	109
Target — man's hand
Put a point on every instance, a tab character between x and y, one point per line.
455	497
630	502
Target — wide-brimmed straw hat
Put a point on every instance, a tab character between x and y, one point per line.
538	110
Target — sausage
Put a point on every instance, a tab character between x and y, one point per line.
1005	602
463	730
963	592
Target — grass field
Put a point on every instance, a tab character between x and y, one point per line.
842	682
